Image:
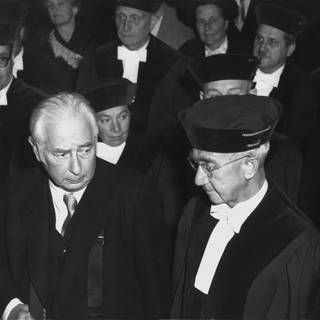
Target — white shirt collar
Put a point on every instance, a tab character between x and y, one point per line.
221	50
59	206
58	193
18	63
108	153
237	215
3	94
269	78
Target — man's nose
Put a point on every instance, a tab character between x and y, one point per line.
201	178
127	25
75	165
115	126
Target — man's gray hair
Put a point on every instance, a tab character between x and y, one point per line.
60	106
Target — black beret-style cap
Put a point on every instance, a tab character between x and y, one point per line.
232	123
284	19
111	93
150	6
12	12
7	34
227	67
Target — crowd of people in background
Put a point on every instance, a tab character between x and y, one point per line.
159	159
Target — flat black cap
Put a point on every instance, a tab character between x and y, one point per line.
233	123
227	67
111	93
284	19
150	6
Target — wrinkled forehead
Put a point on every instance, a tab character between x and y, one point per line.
5	50
226	83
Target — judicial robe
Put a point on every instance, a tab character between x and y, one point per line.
269	270
154	110
14	127
136	252
39	71
295	93
146	156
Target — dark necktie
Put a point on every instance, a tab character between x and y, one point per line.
71	204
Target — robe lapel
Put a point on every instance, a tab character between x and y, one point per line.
110	67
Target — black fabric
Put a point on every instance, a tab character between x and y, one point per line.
299	114
14	127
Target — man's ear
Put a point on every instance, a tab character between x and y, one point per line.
34	148
153	20
250	167
291	48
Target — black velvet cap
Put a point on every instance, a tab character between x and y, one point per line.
7	34
284	19
111	93
232	123
226	67
12	12
150	6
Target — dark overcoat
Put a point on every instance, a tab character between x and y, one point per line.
136	250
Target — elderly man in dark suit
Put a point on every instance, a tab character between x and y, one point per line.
244	251
276	77
84	238
17	100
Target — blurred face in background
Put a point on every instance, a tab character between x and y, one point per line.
271	48
133	26
226	87
211	25
62	12
114	124
6	63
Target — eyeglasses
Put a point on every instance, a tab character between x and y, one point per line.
5	60
208	168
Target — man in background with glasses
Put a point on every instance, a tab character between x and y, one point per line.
244	251
17	100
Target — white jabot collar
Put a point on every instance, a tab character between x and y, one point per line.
3	94
269	78
131	60
18	63
237	215
221	50
108	153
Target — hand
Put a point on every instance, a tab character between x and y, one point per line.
20	312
